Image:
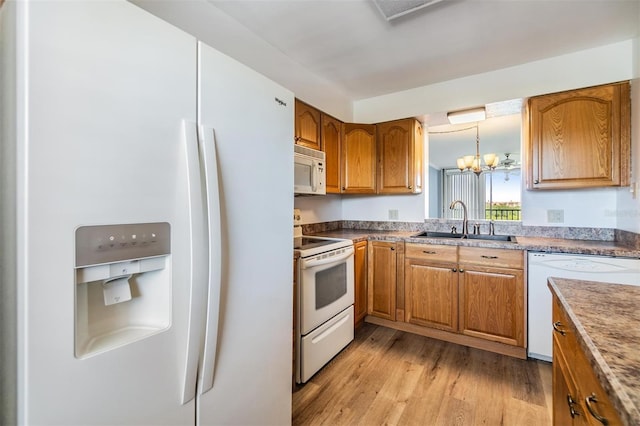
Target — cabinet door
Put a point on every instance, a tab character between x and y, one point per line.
418	156
566	407
431	294
398	165
307	126
382	280
360	282
332	146
492	304
580	138
595	403
359	159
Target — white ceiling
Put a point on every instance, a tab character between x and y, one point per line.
350	44
497	135
346	49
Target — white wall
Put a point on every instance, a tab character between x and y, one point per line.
318	208
579	69
628	207
589	208
411	208
584	208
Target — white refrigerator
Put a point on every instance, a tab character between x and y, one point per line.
146	202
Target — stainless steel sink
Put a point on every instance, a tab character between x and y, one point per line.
433	234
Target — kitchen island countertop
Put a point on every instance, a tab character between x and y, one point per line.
607	322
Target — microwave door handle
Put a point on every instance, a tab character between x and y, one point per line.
314	176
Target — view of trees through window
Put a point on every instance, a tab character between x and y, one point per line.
502	197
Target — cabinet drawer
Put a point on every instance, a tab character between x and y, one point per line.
501	258
592	396
432	252
563	332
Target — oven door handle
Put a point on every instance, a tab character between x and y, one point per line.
311	263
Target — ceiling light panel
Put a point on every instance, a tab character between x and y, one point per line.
467	116
392	9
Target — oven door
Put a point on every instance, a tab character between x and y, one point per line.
326	287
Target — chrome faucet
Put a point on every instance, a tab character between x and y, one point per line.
465	225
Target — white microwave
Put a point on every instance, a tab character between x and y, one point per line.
309	171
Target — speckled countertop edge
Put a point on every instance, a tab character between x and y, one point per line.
545	244
623	394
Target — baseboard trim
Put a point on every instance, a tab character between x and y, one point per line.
459	339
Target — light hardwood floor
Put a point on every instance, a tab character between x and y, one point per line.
388	377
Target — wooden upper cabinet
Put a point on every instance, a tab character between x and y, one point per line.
400	153
580	138
332	147
359	159
307	126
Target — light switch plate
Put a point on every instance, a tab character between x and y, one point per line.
393	214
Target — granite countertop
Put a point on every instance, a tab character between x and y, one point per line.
561	245
607	321
554	245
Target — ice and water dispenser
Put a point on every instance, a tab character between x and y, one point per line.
123	285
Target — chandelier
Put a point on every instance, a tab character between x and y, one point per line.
473	162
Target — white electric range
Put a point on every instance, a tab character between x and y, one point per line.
325	296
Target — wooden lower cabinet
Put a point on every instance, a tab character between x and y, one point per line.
360	282
467	295
578	396
382	280
566	409
431	294
492	304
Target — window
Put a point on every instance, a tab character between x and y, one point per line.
493	195
503	199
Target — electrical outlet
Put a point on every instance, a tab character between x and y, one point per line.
393	214
555	216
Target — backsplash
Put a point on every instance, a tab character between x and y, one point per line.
626	238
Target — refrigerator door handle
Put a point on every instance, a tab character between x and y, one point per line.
197	261
207	143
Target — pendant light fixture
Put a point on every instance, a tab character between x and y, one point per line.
473	162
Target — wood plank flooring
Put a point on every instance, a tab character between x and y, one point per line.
389	377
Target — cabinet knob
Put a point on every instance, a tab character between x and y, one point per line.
410	187
536	181
461	270
454	270
393	248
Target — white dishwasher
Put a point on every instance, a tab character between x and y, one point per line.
617	270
